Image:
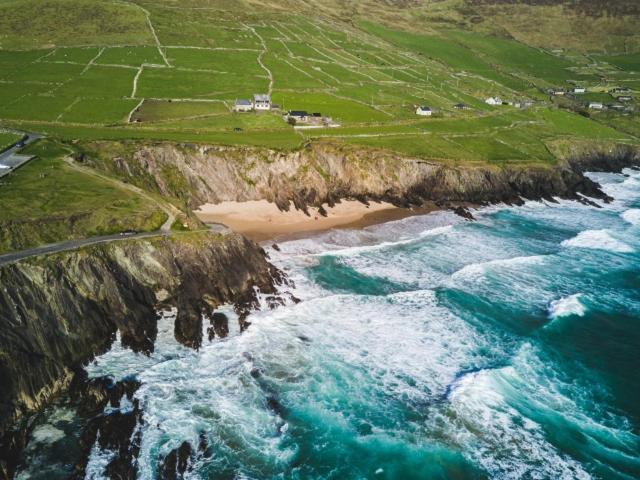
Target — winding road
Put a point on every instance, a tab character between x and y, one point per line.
67	245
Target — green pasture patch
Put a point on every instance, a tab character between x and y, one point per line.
44	72
47	23
283	139
132	56
100	81
72	54
337	74
566	123
248	121
11	92
229	37
7	139
36	107
154	110
445	50
514	56
286	76
99	110
231	61
175	83
13	60
342	110
629	62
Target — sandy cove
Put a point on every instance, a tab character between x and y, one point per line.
261	220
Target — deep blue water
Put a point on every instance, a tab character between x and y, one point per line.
425	348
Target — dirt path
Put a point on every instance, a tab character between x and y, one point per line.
171	211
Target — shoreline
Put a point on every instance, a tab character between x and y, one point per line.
262	221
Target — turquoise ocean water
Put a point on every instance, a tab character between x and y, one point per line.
427	348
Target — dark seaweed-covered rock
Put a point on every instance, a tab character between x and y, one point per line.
176	463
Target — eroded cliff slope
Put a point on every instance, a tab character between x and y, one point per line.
58	312
324	173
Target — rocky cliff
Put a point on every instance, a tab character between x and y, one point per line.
325	173
58	312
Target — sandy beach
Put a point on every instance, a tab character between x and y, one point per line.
261	220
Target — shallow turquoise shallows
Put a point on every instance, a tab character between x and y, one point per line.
428	348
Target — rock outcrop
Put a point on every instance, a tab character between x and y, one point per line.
325	173
58	312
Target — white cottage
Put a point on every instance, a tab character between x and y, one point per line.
493	101
424	111
261	101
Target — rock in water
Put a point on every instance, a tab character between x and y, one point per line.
176	463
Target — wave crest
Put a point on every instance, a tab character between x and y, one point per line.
567	306
598	240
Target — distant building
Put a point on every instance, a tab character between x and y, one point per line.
461	106
242	105
493	101
596	106
424	111
261	101
620	90
298	115
557	91
624	98
579	90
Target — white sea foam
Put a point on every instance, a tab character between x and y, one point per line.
474	271
514	444
599	240
631	216
47	434
567	306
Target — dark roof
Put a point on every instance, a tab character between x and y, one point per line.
459	105
298	113
317	114
242	101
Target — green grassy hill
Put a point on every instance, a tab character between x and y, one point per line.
171	70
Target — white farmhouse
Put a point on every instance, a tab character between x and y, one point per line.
596	106
424	111
261	101
243	105
493	101
579	90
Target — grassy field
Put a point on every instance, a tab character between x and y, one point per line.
7	139
77	69
46	201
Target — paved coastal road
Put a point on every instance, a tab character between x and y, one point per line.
12	158
70	245
85	242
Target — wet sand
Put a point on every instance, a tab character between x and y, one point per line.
261	220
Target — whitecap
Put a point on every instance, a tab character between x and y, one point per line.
474	271
567	306
631	216
599	240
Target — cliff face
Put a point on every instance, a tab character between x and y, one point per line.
59	311
326	173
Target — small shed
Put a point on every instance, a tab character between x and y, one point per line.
596	106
